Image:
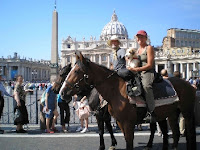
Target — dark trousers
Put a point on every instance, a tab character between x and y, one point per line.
1	105
64	113
125	74
23	116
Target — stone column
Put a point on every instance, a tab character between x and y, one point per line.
2	67
23	71
156	67
194	66
31	76
108	63
175	67
181	68
40	70
100	59
9	72
19	71
165	66
188	71
54	46
94	58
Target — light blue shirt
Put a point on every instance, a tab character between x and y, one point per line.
120	62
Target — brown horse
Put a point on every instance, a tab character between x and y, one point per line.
61	78
113	89
101	113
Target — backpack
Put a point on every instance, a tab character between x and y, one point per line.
42	99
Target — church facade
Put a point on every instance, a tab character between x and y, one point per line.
97	50
31	70
173	55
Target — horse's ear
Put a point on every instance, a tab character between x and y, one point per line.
77	57
82	59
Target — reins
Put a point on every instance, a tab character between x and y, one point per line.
85	78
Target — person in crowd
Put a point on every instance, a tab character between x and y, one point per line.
64	113
147	69
2	93
177	74
9	88
20	108
194	84
198	83
51	109
164	73
190	80
81	102
181	118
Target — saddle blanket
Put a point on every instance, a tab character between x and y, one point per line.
164	94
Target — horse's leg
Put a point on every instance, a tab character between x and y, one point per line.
100	123
164	128
150	142
190	130
110	130
128	133
173	122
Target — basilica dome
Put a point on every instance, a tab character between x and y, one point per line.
114	27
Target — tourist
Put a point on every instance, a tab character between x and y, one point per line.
51	109
64	113
147	69
21	114
2	93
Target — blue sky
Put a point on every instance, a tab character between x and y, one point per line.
25	25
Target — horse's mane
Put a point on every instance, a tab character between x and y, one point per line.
64	69
104	68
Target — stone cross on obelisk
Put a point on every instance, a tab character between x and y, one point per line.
54	45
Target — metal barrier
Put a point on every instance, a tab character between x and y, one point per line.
32	105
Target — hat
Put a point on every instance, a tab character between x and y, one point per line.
142	32
113	38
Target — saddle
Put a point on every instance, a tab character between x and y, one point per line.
164	94
134	86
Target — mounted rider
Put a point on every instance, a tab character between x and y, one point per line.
118	63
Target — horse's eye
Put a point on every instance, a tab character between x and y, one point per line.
76	71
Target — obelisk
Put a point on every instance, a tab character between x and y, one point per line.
54	45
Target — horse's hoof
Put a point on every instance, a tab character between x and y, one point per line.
101	148
174	147
147	148
111	148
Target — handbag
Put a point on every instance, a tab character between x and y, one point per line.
18	116
83	112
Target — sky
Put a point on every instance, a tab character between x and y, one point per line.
25	25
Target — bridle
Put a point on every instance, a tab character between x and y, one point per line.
85	78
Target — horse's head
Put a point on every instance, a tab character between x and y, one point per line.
61	78
77	80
